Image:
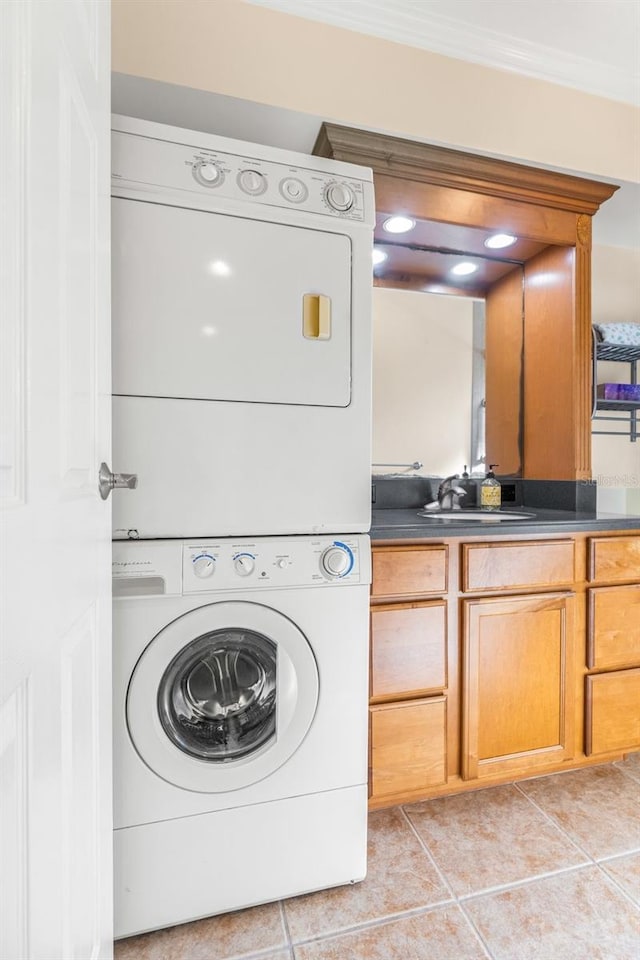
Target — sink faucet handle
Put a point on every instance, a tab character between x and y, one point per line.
450	493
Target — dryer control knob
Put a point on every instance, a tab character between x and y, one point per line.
204	566
207	174
252	182
244	564
336	561
339	196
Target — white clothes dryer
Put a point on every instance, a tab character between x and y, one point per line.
241	336
240	723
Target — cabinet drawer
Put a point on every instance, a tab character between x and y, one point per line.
409	571
614	558
511	566
408	650
613	712
614	627
408	747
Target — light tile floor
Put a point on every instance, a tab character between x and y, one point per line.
543	869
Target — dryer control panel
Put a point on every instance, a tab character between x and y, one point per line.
211	565
140	162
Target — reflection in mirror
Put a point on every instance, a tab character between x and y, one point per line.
447	370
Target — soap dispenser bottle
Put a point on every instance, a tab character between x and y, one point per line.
490	490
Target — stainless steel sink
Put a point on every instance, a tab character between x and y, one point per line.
479	516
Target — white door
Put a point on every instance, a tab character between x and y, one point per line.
55	736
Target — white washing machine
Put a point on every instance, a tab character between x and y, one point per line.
240	723
241	336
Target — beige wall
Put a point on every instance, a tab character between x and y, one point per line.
235	48
616	299
422	358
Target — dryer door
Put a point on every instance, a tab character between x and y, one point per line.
208	306
222	696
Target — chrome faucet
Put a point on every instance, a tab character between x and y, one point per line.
450	493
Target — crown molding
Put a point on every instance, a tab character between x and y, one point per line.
404	21
455	169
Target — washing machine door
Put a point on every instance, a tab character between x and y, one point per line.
222	696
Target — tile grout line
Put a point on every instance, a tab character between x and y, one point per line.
366	924
619	887
501	887
619	765
471	923
257	954
428	852
267	951
555	823
285	926
618	856
516	884
445	881
593	858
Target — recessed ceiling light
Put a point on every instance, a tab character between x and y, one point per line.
499	240
378	256
398	224
463	269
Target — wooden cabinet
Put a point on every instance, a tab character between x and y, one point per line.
408	650
612	693
614	627
613	712
501	658
518	688
408	747
409	672
540	564
614	558
409	571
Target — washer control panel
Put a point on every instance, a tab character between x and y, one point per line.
143	162
211	565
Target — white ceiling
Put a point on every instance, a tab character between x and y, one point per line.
591	45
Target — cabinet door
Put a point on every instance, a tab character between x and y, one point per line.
518	702
408	650
614	627
408	747
613	712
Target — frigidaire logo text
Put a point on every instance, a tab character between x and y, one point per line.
131	563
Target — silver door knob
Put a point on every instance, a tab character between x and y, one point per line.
107	481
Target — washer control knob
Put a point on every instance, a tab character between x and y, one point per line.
208	174
336	561
244	564
252	182
339	196
204	566
282	563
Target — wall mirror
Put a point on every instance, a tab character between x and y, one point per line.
447	348
551	214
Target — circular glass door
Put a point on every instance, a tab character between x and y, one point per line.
217	697
222	696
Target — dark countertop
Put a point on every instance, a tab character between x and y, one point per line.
405	524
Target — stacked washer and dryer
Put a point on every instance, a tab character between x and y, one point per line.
241	382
